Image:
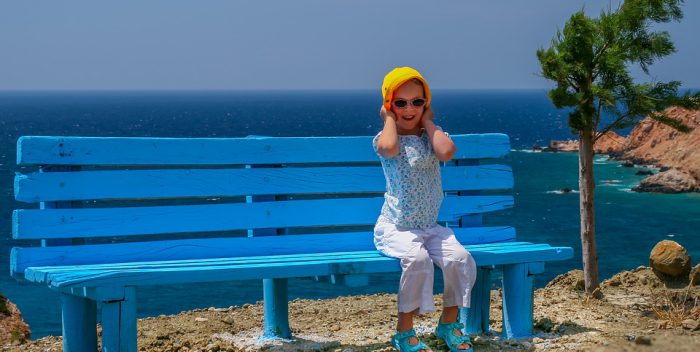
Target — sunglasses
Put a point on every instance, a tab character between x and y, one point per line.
402	103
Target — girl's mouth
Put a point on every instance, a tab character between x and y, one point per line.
408	118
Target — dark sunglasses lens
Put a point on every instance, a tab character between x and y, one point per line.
400	103
418	102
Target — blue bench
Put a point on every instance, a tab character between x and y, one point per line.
221	209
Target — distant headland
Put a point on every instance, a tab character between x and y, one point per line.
653	144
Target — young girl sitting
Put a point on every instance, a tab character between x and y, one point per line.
410	147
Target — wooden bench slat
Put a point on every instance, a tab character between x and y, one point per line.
52	150
144	184
267	259
39	274
202	248
127	221
224	270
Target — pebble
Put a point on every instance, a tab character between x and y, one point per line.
690	324
642	340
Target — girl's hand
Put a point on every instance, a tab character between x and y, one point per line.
384	113
428	116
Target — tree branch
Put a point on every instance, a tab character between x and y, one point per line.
610	126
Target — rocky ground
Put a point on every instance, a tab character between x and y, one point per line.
637	313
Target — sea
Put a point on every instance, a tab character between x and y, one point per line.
629	224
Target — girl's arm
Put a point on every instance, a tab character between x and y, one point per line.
442	144
388	142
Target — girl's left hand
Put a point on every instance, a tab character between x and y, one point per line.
428	115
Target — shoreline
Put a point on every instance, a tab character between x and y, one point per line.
624	319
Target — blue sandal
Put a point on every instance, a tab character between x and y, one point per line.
400	342
445	331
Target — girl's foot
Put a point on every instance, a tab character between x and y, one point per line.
451	333
407	341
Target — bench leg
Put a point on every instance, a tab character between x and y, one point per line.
119	323
517	301
476	317
276	309
79	323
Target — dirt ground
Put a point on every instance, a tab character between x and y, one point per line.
638	312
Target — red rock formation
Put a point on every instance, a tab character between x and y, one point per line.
610	142
13	329
654	143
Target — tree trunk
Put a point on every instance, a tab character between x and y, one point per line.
587	189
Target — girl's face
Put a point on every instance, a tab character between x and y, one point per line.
408	117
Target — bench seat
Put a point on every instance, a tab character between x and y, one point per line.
111	214
275	266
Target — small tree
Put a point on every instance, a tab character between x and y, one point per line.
589	62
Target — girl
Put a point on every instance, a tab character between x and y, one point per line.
410	147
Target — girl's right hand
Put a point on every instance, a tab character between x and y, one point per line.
384	113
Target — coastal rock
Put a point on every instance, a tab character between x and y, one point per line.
670	258
562	146
671	181
694	277
652	142
13	329
609	143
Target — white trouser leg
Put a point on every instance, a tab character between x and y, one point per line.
458	266
416	285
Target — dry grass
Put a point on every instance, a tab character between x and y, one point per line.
673	306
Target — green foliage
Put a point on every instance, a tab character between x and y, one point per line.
589	62
17	336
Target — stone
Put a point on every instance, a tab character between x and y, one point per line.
544	324
690	324
670	181
642	340
670	258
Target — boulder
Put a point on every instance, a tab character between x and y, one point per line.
13	329
562	146
670	258
670	181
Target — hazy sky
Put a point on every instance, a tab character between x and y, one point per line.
325	44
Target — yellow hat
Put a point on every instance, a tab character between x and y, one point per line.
398	76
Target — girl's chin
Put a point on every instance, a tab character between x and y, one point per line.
408	128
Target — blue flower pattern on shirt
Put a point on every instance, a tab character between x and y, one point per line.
413	183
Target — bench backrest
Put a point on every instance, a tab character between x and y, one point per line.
103	200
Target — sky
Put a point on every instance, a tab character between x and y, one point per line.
297	45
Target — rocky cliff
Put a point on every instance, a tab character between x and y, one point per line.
677	154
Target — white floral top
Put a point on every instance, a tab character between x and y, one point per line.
413	183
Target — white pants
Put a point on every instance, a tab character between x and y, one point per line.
418	250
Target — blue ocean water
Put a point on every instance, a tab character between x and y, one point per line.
628	223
